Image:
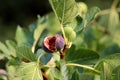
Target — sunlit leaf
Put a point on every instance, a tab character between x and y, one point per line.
23	37
29	71
24	52
38	31
5	50
65	10
11	46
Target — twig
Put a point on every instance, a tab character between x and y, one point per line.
115	2
106	11
45	77
62	53
83	66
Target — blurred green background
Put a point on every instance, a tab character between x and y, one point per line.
24	12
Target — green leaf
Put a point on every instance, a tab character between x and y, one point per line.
52	23
106	72
81	56
11	46
91	13
65	10
38	31
116	72
29	71
75	76
111	49
63	70
113	18
107	65
2	56
25	52
90	38
5	50
51	77
45	58
55	73
11	70
20	36
23	37
113	60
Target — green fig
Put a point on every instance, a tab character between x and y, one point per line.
70	33
82	8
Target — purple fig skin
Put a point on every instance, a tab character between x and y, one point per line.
53	44
60	43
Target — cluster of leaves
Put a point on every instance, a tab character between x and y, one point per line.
94	54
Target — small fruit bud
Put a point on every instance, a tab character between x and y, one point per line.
82	8
70	33
52	44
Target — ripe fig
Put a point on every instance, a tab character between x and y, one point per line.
53	44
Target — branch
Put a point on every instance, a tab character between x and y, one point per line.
83	66
106	11
115	2
62	53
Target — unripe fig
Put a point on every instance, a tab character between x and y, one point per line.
53	44
82	7
70	33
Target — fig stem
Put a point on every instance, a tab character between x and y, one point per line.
62	29
45	77
83	66
62	53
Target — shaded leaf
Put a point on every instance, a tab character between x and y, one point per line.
81	56
113	61
76	76
90	15
107	65
116	72
45	58
111	49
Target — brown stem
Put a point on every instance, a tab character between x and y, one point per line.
62	53
45	77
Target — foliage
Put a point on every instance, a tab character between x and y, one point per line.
91	51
